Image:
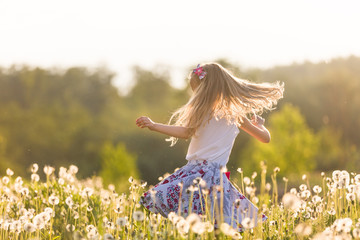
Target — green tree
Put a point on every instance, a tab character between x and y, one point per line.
152	95
59	117
117	165
293	146
329	156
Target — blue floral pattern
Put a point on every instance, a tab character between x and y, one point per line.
168	193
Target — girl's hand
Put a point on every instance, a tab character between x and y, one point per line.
257	120
145	122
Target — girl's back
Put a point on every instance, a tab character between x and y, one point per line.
213	141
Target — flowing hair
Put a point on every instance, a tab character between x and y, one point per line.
222	95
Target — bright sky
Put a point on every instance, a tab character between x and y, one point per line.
175	34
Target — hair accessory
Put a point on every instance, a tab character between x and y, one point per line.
199	71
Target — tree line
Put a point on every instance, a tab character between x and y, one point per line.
77	116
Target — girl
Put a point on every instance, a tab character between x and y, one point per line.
212	117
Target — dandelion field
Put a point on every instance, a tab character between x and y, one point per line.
64	207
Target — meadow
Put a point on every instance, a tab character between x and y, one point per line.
64	207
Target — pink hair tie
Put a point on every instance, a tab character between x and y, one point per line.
199	71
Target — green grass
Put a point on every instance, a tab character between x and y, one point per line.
63	207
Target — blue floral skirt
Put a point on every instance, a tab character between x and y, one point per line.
201	181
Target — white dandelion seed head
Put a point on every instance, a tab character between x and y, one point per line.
87	192
247	180
336	175
319	208
291	201
192	219
5	180
304	177
227	230
118	208
198	227
344	178
303	230
108	236
62	172
70	178
138	216
110	225
248	223
48	170
305	194
172	216
357	179
293	191
90	227
121	221
331	211
30	213
111	187
143	183
61	181
183	226
9	172
356	232
131	179
69	201
29	227
34	168
236	235
342	225
208	226
93	234
192	188
197	180
38	222
239	170
19	180
316	199
276	169
202	183
15	226
350	197
351	188
105	198
24	191
317	189
268	187
303	187
250	190
35	177
73	169
45	216
49	210
54	200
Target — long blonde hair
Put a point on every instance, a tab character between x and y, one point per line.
222	95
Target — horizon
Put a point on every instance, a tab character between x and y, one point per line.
120	35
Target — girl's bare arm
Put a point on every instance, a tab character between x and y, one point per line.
175	131
256	130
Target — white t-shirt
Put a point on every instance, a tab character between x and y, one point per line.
213	141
